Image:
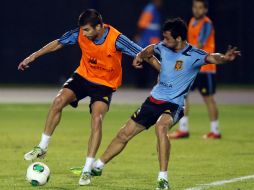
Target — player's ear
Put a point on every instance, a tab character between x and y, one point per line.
98	27
179	39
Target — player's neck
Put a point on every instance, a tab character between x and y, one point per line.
199	18
100	33
180	46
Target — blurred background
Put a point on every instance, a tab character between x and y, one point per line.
28	25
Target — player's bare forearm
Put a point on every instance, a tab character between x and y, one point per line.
153	62
216	58
219	58
50	47
147	52
147	55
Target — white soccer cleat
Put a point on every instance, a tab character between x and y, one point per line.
162	184
37	152
85	178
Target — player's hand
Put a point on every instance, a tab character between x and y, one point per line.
137	62
231	54
25	63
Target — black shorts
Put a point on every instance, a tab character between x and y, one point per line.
205	83
148	114
83	88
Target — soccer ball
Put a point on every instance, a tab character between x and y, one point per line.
37	174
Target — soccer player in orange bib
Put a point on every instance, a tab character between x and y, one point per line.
202	35
98	76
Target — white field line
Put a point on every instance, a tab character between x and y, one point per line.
218	183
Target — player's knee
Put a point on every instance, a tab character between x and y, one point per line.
97	118
162	128
58	103
97	121
208	99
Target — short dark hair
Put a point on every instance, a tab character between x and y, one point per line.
205	3
90	16
177	27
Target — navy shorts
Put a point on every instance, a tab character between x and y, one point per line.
150	111
205	83
83	88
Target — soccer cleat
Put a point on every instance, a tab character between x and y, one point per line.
178	134
162	184
76	170
37	152
96	172
212	135
85	178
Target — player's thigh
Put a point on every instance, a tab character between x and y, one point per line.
100	99
164	122
99	108
65	96
130	129
79	86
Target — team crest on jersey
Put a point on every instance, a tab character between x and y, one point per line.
178	65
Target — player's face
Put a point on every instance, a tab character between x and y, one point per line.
90	32
198	9
168	40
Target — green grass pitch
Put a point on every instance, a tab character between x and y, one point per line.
193	161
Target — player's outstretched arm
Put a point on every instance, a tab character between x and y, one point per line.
218	58
50	47
147	55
